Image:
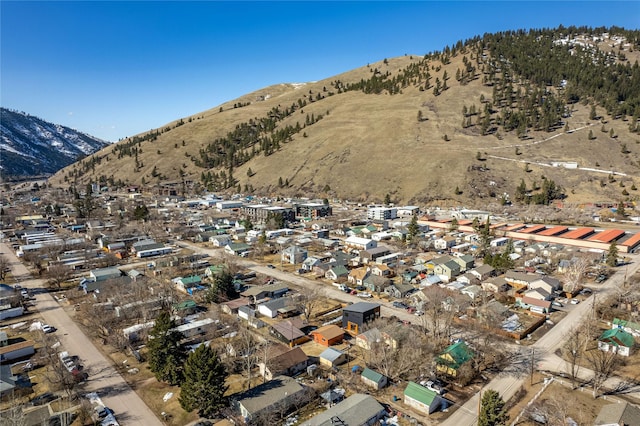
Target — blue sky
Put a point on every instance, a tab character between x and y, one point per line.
115	69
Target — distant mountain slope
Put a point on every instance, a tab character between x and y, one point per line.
30	146
525	116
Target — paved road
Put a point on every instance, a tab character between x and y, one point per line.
114	391
508	384
387	310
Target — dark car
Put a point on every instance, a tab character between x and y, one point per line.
601	278
400	305
271	267
43	399
361	288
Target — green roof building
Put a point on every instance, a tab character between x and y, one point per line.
453	357
617	341
423	399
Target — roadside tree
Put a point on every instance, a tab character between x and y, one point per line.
204	383
492	412
166	355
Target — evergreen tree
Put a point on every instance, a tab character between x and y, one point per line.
222	288
166	356
413	228
204	383
492	412
612	255
387	199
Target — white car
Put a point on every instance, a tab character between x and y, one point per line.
574	301
418	313
46	328
366	295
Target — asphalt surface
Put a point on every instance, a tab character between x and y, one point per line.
114	391
507	384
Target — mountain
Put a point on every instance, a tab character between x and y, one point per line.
525	116
30	146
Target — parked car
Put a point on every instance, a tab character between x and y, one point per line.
400	305
24	293
601	278
365	295
574	301
43	399
271	266
46	328
557	304
435	386
411	309
103	412
361	288
418	313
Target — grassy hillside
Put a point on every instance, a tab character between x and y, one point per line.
406	141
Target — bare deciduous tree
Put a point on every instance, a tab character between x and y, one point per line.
603	365
5	267
573	351
57	274
575	274
308	300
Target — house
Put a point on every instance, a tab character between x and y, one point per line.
519	279
288	363
549	284
231	307
16	351
359	243
331	357
189	284
473	291
220	240
628	326
366	339
445	242
495	285
423	399
289	331
196	328
376	284
294	255
450	361
618	414
358	275
259	292
237	249
465	261
534	305
104	274
369	256
399	291
282	393
538	293
336	272
309	263
356	315
272	307
448	269
483	272
359	409
328	335
10	384
617	341
373	379
382	270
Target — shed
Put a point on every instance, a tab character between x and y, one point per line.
373	379
617	341
423	399
331	357
328	335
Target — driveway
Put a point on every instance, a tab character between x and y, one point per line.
114	391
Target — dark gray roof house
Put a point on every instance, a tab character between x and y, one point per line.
358	409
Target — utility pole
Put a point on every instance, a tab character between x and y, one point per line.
533	350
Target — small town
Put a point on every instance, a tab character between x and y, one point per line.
314	312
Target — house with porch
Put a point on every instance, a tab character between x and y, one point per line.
337	273
617	341
284	361
450	361
376	284
294	255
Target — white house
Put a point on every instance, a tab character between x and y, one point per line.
360	243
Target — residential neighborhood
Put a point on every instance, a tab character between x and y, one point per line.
311	310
